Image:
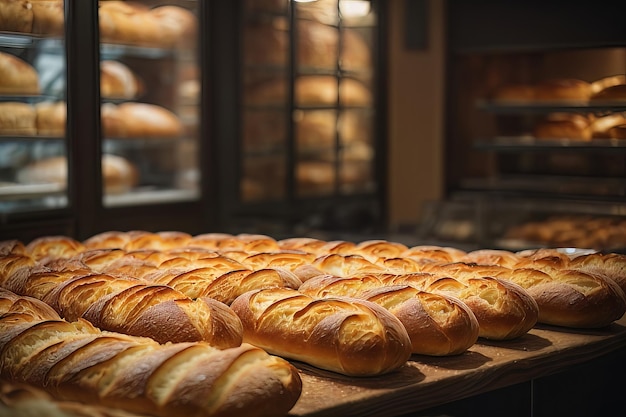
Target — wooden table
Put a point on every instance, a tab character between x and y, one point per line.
547	366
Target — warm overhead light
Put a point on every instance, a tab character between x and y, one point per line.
304	1
354	8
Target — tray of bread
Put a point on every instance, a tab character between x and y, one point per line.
168	323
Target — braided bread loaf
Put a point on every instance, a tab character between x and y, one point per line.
76	361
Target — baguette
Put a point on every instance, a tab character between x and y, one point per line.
77	362
565	297
437	324
124	305
344	335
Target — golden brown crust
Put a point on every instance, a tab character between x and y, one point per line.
48	17
51	118
17	76
564	126
76	361
437	324
348	336
16	16
563	89
17	119
118	81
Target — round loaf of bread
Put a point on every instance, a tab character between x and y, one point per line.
48	17
564	126
139	120
563	89
118	81
16	16
129	23
17	76
17	119
179	26
51	118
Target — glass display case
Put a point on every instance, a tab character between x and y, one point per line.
535	149
306	150
33	145
102	124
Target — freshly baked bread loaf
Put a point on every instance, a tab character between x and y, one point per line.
119	175
224	285
48	17
131	23
17	119
609	89
564	296
607	82
17	76
140	120
437	324
610	265
16	16
127	305
572	126
603	126
76	361
51	118
563	89
178	26
504	310
349	336
118	81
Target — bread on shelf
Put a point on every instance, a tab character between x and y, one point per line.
17	118
119	175
51	118
118	81
17	77
48	17
139	120
562	90
561	125
609	89
16	16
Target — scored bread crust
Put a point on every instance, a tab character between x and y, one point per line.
77	362
349	336
437	324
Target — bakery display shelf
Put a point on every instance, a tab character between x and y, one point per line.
26	191
428	382
29	138
29	40
526	143
551	107
113	51
115	143
537	185
149	195
30	98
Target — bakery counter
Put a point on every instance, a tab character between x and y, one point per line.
549	363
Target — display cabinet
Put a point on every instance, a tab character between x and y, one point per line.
118	131
303	148
535	151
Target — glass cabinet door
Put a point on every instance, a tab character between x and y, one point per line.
150	104
33	145
308	112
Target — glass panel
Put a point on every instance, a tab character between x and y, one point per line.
33	149
150	90
308	94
